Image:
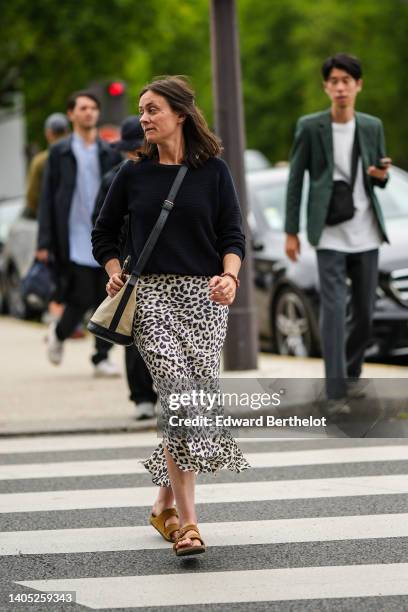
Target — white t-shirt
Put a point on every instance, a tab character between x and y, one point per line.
361	233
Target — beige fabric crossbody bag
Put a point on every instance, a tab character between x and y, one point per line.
113	319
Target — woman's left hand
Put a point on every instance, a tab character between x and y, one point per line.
223	290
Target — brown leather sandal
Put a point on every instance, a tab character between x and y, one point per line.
159	521
194	535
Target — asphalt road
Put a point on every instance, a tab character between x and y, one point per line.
315	525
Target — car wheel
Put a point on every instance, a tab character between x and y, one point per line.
293	325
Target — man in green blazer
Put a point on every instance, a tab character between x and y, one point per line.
332	146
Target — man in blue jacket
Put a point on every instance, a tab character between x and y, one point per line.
73	174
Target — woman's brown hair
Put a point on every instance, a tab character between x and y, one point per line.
200	142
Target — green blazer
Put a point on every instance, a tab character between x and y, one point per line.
313	151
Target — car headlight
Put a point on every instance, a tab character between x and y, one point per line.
398	284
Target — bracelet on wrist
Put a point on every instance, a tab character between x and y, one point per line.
234	278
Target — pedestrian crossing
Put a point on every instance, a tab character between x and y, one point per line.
257	460
231	492
237	533
343	550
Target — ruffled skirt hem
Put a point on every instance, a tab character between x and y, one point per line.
228	456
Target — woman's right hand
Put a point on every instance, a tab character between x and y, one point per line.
114	284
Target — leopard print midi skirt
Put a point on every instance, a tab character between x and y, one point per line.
180	332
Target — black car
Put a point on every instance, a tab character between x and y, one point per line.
287	293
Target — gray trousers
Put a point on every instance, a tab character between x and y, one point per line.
344	340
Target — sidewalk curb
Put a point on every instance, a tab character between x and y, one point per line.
41	428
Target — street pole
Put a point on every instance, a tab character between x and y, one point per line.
241	347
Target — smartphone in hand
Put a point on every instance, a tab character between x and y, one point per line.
383	163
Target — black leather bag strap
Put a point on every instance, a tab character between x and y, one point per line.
167	206
354	158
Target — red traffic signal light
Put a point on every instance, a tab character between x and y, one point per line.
116	88
113	94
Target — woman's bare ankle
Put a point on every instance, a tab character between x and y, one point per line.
159	506
189	521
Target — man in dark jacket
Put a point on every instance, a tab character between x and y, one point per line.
138	376
72	178
343	152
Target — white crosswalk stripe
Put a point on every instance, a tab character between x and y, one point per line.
238	533
42	444
76	442
234	587
257	460
207	493
323	580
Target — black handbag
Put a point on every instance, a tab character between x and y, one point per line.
113	319
38	285
341	205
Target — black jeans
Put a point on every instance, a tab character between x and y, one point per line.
138	376
85	290
343	349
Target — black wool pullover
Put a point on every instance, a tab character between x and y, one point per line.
204	225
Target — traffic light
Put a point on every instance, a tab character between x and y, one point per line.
114	101
116	89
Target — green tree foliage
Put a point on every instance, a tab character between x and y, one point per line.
376	32
178	42
56	46
273	87
51	47
283	47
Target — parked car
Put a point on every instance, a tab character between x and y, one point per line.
287	293
255	160
10	211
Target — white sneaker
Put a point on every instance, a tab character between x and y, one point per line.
334	407
144	410
106	369
357	389
55	347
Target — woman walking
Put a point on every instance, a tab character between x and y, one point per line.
184	292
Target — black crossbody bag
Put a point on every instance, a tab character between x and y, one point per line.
341	206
